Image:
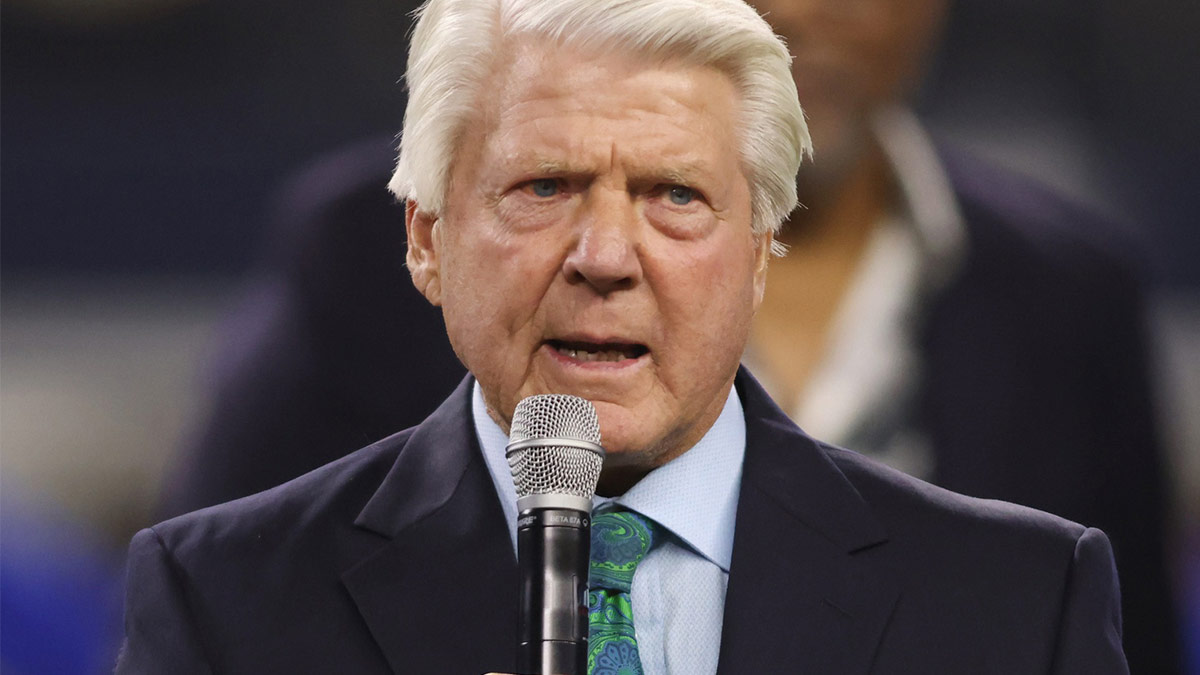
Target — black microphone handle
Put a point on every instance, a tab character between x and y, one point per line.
553	549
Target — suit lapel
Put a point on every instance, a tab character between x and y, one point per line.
440	594
804	595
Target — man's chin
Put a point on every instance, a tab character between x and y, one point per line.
620	429
634	450
623	467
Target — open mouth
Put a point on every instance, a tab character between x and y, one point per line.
598	351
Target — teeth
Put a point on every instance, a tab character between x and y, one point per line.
587	356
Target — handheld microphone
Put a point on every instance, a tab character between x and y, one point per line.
555	455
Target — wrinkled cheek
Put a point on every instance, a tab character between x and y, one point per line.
467	311
485	325
458	320
721	327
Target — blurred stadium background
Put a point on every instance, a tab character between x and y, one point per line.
142	138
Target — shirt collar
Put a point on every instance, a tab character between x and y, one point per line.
694	495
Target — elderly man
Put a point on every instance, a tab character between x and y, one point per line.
592	188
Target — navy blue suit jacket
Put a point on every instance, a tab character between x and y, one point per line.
397	559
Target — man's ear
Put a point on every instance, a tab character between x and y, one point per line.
764	244
422	258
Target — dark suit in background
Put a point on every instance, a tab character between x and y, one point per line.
331	347
1036	387
397	559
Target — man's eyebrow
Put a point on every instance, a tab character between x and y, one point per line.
683	172
527	162
556	167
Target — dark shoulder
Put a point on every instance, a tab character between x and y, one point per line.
1004	583
1039	267
919	514
1038	226
325	499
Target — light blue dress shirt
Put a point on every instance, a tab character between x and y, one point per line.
678	591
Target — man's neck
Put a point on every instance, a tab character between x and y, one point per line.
806	287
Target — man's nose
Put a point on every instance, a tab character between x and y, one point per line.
604	253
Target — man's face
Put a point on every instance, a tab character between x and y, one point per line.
851	57
596	241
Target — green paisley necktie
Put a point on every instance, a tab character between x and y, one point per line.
620	539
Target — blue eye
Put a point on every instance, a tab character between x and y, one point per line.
544	187
681	195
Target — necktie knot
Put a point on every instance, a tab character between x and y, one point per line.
620	540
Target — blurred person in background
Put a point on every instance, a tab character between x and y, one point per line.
318	357
957	322
948	318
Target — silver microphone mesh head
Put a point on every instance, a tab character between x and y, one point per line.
554	446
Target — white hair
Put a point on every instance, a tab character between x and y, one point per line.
456	42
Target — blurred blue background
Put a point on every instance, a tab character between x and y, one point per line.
142	138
